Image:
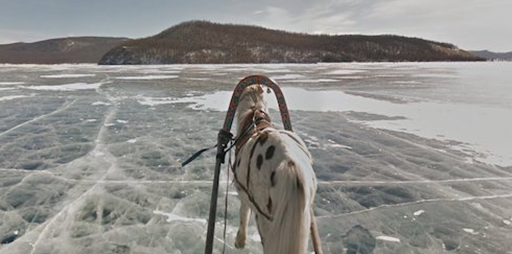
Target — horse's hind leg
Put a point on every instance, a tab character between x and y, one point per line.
245	213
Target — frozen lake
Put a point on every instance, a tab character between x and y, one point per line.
410	157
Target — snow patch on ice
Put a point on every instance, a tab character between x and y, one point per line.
418	213
351	77
388	238
344	72
13	97
256	237
341	146
67	87
121	121
507	222
406	82
198	79
68	76
7	83
132	141
100	103
153	101
332	143
322	80
148	77
469	230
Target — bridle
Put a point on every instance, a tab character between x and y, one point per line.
259	122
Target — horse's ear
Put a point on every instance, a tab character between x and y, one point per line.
259	89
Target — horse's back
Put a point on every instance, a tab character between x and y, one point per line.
265	157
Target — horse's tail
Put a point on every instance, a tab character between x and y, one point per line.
289	233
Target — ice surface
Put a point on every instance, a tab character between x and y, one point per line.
11	83
66	87
288	76
313	80
430	119
344	72
101	103
388	238
148	77
74	75
173	217
92	165
419	212
469	230
13	97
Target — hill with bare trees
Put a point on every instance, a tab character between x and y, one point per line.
56	51
207	42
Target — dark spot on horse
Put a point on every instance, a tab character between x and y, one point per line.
259	161
238	162
273	178
269	205
270	152
291	164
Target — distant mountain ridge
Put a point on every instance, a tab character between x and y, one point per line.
489	55
207	42
61	50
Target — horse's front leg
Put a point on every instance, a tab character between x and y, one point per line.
245	213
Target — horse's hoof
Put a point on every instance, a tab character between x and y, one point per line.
240	241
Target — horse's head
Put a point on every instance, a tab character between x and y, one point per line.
251	106
252	99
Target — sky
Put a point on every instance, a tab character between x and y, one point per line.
469	24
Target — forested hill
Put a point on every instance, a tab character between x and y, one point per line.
56	51
206	42
494	56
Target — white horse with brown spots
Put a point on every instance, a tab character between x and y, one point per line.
274	178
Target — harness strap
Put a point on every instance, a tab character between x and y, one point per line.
195	155
251	198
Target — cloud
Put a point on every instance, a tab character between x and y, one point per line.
314	18
470	24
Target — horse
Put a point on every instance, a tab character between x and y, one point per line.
274	178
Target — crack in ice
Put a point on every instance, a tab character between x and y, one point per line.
418	202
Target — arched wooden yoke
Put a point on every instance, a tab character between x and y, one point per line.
223	141
262	80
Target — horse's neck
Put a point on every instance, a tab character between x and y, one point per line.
246	108
244	119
